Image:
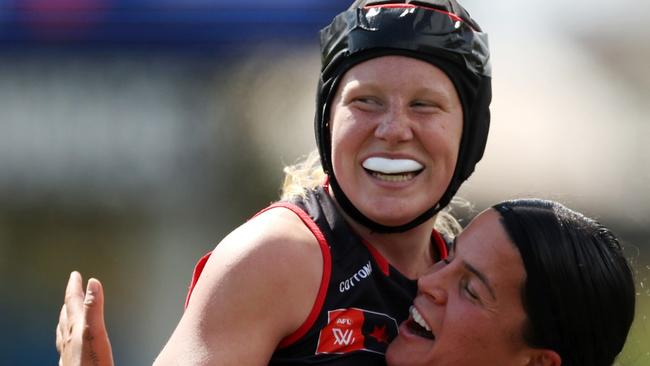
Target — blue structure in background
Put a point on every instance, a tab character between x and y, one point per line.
166	23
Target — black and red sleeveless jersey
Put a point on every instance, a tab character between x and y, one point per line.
361	301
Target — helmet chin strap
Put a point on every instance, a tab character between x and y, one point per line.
362	219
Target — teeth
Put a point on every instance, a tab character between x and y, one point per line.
392	166
418	318
393	178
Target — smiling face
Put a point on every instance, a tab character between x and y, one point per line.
396	129
471	303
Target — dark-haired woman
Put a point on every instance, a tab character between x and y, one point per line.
528	282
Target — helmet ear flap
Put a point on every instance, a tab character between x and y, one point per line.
322	122
472	149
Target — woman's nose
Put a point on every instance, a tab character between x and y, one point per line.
394	126
434	285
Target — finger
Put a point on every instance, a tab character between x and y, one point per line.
74	296
59	329
94	306
95	330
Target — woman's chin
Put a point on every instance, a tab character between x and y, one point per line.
410	349
398	354
392	355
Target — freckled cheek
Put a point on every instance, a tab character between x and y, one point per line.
451	129
347	142
442	145
343	123
349	131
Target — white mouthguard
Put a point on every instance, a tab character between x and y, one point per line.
391	166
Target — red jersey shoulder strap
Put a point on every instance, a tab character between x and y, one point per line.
440	244
196	274
325	279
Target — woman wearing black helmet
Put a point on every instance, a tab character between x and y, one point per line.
440	33
327	275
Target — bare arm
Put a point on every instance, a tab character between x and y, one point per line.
257	288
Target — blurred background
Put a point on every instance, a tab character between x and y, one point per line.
134	134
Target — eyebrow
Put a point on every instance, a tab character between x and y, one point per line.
481	276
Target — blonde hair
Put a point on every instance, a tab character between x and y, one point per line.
446	224
308	174
302	177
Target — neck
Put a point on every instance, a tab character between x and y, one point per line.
410	252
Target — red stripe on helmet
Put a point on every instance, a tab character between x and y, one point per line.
411	6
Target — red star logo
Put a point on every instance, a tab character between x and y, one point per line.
379	333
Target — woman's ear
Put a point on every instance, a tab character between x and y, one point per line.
544	357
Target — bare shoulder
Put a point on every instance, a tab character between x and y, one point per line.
276	239
258	286
278	224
